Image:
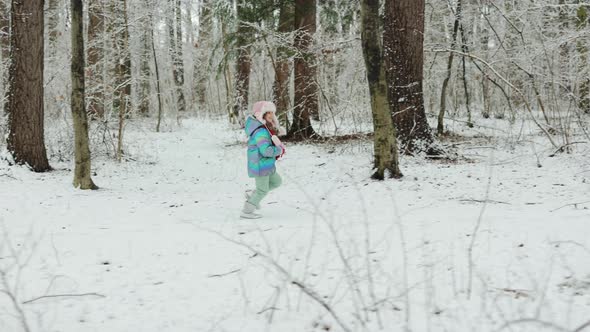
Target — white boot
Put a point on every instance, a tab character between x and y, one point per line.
247	194
248	211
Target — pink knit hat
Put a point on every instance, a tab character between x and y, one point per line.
261	108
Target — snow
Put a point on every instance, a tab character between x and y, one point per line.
161	248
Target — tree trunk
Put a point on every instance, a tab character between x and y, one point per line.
404	41
443	95
243	64
82	170
53	26
201	68
283	68
95	65
145	78
385	144
24	103
4	30
306	89
122	94
4	46
175	25
582	23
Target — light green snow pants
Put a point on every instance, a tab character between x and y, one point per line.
264	184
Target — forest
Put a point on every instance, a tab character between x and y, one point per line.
433	161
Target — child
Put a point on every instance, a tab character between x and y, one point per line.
264	147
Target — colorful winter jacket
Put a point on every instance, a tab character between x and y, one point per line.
262	152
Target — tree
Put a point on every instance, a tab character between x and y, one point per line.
385	144
144	66
201	67
582	24
404	55
174	22
282	65
4	42
122	93
53	26
82	169
244	61
306	89
443	95
24	103
95	65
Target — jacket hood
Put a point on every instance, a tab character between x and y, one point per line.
251	125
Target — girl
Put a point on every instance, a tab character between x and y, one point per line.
264	147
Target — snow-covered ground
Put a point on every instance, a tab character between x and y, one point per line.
160	246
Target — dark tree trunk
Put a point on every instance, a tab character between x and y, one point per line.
24	104
385	145
283	68
404	41
306	89
82	170
95	65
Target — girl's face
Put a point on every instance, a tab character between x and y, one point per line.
268	117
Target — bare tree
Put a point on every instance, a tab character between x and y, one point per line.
174	22
306	89
82	170
24	103
95	65
244	61
404	54
385	144
201	68
283	64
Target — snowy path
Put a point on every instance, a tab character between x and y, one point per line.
142	241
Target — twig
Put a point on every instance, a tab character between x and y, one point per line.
571	204
537	322
223	274
63	295
310	292
483	201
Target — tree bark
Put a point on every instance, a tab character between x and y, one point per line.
52	26
306	89
582	23
82	169
4	46
95	65
243	64
122	94
175	34
4	30
443	95
201	69
145	78
404	42
24	103
385	144
283	65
